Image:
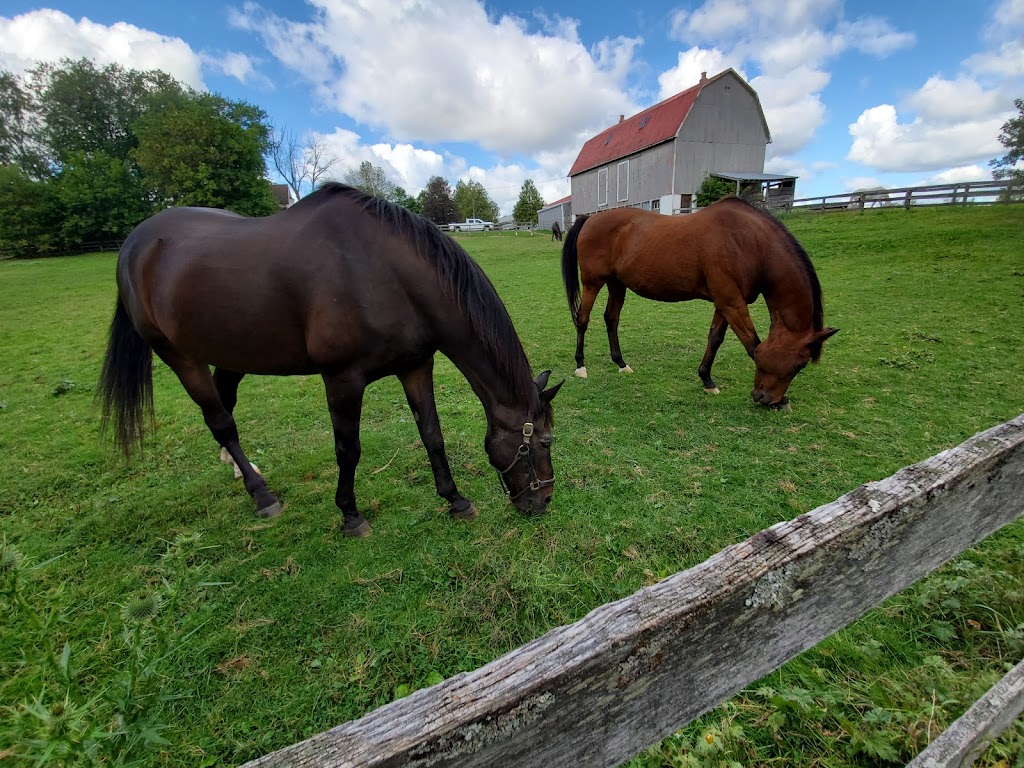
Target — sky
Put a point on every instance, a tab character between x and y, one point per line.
857	94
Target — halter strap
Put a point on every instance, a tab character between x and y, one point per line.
524	452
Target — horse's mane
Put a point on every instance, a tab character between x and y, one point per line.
461	278
802	260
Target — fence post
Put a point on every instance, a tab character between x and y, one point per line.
906	198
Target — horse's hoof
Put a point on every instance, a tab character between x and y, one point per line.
581	372
785	407
272	511
357	528
468	513
713	390
625	369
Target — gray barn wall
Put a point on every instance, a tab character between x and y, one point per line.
723	132
650	177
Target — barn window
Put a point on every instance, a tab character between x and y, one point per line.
644	121
602	186
622	182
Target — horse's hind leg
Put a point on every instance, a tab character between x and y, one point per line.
715	338
199	383
616	298
419	391
227	387
589	296
345	401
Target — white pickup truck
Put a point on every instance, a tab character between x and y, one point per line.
470	225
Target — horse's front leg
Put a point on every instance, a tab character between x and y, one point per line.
612	312
345	401
419	391
715	338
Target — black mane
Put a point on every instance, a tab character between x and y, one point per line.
462	280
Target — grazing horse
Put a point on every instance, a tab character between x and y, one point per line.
728	254
341	284
556	231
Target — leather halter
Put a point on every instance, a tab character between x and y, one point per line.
524	453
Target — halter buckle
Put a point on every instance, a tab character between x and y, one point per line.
528	431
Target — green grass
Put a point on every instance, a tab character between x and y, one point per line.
282	629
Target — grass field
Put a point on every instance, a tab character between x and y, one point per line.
149	617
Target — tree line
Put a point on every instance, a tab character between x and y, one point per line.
88	152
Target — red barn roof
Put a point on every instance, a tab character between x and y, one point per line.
644	129
565	199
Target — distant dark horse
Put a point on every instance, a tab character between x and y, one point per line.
728	254
556	231
341	284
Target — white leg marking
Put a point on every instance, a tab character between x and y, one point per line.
713	390
625	369
226	458
581	372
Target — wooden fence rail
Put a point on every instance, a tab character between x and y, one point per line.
601	690
962	193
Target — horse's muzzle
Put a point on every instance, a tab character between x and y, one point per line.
764	397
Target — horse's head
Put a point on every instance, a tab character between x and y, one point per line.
520	450
779	359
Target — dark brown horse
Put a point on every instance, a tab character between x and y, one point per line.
728	254
556	231
341	284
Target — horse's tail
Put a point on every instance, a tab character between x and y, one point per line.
126	382
570	268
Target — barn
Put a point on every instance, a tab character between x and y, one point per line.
658	158
560	211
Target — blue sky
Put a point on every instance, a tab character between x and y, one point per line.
857	93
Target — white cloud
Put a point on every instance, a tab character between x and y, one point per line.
48	35
450	73
1010	13
954	175
1007	60
686	73
789	42
881	141
858	183
952	101
240	66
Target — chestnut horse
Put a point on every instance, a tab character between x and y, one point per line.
341	284
728	253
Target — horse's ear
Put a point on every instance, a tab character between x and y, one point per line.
548	395
820	336
542	380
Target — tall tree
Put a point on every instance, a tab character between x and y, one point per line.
1012	137
371	179
437	201
473	201
100	198
406	200
89	109
207	151
29	215
300	163
20	128
529	202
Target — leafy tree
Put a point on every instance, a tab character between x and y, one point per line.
371	179
300	163
207	151
100	198
88	109
19	128
473	201
28	215
1012	137
529	202
406	200
438	204
713	189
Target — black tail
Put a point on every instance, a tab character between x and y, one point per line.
570	267
126	382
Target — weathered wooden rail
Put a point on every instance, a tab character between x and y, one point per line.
598	691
